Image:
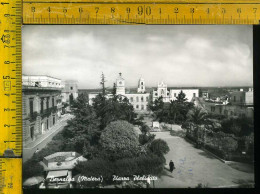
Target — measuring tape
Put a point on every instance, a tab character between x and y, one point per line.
85	12
141	12
10	96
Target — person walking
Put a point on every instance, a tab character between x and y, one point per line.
171	164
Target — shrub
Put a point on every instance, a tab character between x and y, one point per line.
127	167
178	133
96	168
159	147
146	138
32	168
119	140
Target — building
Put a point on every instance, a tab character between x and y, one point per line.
169	94
241	104
41	105
139	98
60	165
70	91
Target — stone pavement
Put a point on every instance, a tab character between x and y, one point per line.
194	166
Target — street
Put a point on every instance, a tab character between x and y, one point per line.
194	166
40	143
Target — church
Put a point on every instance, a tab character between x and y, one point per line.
139	98
171	93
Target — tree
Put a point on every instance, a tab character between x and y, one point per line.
71	99
181	98
103	84
32	168
83	128
159	147
197	116
119	140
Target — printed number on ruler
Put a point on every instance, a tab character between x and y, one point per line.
10	80
132	12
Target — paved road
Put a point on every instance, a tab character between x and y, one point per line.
40	143
194	166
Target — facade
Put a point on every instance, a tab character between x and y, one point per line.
41	105
240	104
138	99
69	91
172	93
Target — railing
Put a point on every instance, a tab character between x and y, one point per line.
44	113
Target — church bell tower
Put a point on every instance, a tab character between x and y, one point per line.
141	86
120	85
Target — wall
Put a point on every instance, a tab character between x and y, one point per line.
237	97
188	92
139	105
37	119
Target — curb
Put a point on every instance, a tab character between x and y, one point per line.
205	150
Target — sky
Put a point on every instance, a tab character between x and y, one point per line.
178	55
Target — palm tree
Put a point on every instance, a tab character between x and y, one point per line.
198	117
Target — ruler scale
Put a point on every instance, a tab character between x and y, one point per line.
10	96
14	13
141	12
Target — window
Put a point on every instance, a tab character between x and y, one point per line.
131	99
213	109
225	112
220	110
142	83
142	99
175	94
31	106
194	94
142	87
137	99
42	99
32	132
71	88
234	98
52	101
47	123
147	98
47	103
241	99
155	94
137	106
142	107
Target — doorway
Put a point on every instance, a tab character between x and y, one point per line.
32	132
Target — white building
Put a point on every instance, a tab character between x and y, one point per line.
138	99
171	94
69	91
41	81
